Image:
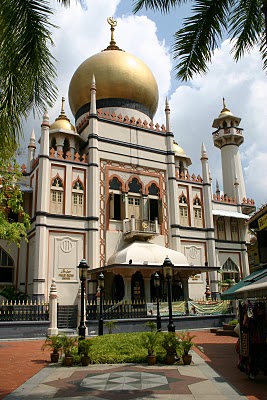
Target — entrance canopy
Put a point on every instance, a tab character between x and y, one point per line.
147	255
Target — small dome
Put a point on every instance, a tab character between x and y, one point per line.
62	122
225	113
179	151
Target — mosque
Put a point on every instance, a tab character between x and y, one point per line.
115	188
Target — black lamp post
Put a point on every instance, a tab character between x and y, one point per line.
157	285
101	279
167	271
83	267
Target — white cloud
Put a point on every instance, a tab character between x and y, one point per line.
194	106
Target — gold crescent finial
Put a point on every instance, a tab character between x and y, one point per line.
112	22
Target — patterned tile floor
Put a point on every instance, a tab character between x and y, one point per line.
127	382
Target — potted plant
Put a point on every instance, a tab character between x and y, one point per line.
169	343
68	345
149	341
55	344
84	350
110	325
186	343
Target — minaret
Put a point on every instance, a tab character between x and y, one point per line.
174	217
31	151
228	137
209	225
94	183
42	208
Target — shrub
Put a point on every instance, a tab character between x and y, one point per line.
110	325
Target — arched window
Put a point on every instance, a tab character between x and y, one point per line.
154	203
137	287
230	271
77	198
134	202
57	193
234	229
6	267
197	209
116	199
183	208
221	228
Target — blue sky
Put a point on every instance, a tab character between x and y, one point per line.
194	105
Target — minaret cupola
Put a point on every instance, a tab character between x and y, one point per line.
227	129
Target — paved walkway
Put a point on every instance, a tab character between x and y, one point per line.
213	375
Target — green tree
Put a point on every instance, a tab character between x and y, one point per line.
244	21
27	70
14	222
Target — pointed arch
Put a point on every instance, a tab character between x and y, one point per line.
197	211
183	210
77	197
152	188
134	185
230	271
57	195
116	183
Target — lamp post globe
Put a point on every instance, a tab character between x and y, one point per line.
101	280
168	271
83	267
157	285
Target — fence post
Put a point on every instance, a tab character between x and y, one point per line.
53	329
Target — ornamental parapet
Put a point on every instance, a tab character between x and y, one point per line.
187	177
105	115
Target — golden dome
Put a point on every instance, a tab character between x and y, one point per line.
118	75
62	122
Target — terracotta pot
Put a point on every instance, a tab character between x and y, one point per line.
85	360
54	357
170	359
151	360
187	358
68	361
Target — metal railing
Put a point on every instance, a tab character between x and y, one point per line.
117	310
24	311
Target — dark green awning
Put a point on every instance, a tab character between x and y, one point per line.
230	294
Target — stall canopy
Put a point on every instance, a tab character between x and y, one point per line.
237	291
257	289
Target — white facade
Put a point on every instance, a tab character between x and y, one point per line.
116	185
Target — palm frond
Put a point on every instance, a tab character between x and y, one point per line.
27	69
263	51
157	5
247	25
200	35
